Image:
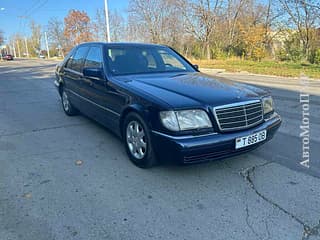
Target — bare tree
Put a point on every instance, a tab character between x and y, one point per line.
35	40
201	19
1	37
303	15
18	42
234	9
147	16
56	35
99	26
152	18
117	29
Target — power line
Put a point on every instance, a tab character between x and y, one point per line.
33	6
35	3
36	6
40	6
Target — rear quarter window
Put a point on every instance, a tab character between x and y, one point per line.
76	61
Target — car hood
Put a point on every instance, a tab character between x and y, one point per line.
191	89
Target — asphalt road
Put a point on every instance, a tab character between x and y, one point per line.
69	178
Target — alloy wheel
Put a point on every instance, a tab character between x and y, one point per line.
136	139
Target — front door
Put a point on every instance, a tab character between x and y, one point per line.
104	99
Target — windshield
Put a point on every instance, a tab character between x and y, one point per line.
140	60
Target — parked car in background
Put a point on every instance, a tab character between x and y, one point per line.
7	57
161	105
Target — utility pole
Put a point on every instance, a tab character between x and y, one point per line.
14	50
18	46
107	19
46	38
26	45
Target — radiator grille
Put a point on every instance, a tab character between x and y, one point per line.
239	116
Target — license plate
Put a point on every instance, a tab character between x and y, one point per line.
251	139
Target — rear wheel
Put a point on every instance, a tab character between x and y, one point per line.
66	104
138	142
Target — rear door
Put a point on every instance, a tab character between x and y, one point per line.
73	75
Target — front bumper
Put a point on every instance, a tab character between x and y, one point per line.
194	149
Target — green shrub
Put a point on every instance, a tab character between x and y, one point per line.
317	56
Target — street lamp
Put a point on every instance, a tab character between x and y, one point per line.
107	19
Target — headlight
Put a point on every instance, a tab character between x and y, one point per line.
185	119
169	120
267	104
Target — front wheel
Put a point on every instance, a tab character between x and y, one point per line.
137	141
66	104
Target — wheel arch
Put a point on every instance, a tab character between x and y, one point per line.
136	108
60	88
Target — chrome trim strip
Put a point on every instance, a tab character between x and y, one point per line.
249	114
86	99
227	111
74	72
230	117
238	104
273	115
56	83
241	128
228	123
260	116
183	137
239	116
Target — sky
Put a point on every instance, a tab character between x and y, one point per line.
16	15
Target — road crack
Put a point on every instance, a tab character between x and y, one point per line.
312	231
307	230
248	223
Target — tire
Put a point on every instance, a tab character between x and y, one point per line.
68	108
137	141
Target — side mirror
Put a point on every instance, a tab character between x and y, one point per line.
93	73
196	66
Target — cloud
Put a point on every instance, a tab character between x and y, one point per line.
1	9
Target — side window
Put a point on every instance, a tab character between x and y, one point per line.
78	59
170	61
94	58
150	59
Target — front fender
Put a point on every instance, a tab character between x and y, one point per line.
147	114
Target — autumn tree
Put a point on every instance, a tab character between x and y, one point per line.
77	28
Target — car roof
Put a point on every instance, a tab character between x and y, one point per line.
122	44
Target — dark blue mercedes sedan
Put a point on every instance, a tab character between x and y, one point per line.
162	107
